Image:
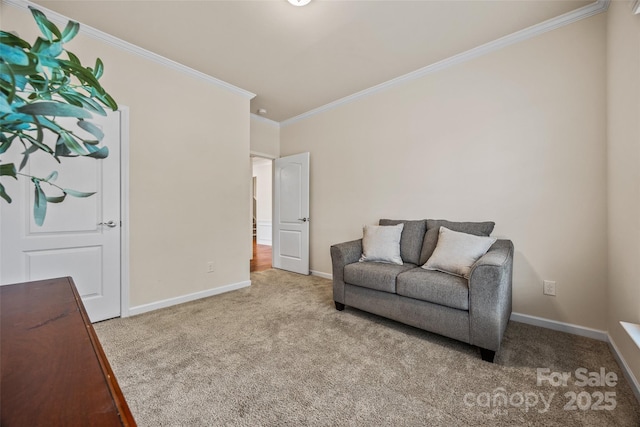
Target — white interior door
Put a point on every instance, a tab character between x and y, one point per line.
72	241
291	213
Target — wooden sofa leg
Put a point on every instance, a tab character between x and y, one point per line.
339	306
487	355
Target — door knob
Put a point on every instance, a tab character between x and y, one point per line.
110	224
303	219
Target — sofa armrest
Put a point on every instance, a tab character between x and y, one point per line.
490	283
341	255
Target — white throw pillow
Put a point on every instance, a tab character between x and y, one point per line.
381	243
456	252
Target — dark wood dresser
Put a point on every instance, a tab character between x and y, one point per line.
53	371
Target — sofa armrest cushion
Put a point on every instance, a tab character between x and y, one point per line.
347	252
343	254
490	289
498	254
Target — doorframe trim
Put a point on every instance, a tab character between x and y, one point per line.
262	155
124	212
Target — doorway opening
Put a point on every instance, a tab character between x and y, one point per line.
261	208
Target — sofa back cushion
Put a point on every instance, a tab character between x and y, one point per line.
411	239
433	228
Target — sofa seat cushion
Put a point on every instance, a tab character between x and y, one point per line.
434	286
375	275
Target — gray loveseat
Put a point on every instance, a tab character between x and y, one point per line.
474	310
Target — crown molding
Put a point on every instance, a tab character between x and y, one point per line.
130	47
587	11
263	119
584	12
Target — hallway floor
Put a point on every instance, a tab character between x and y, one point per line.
261	257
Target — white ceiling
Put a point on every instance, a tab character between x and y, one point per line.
299	58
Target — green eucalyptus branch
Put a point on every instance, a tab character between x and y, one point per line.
66	191
38	85
41	199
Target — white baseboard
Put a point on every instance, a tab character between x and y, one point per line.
536	321
321	274
584	332
139	309
561	326
631	379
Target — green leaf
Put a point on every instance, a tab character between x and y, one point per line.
8	169
24	161
75	193
73	58
62	150
37	141
5	143
12	82
70	31
71	99
4	194
40	45
49	30
13	55
50	124
16	122
83	74
108	101
31	150
56	199
4	106
25	155
97	153
73	145
81	100
21	70
92	129
13	40
48	51
51	177
40	138
58	75
39	83
99	68
53	108
39	203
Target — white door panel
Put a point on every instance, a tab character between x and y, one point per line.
291	213
70	242
85	262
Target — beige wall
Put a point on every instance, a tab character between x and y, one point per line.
265	137
623	48
189	169
516	136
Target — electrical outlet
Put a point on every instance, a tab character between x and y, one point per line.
549	288
210	268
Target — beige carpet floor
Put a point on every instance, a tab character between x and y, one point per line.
279	354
